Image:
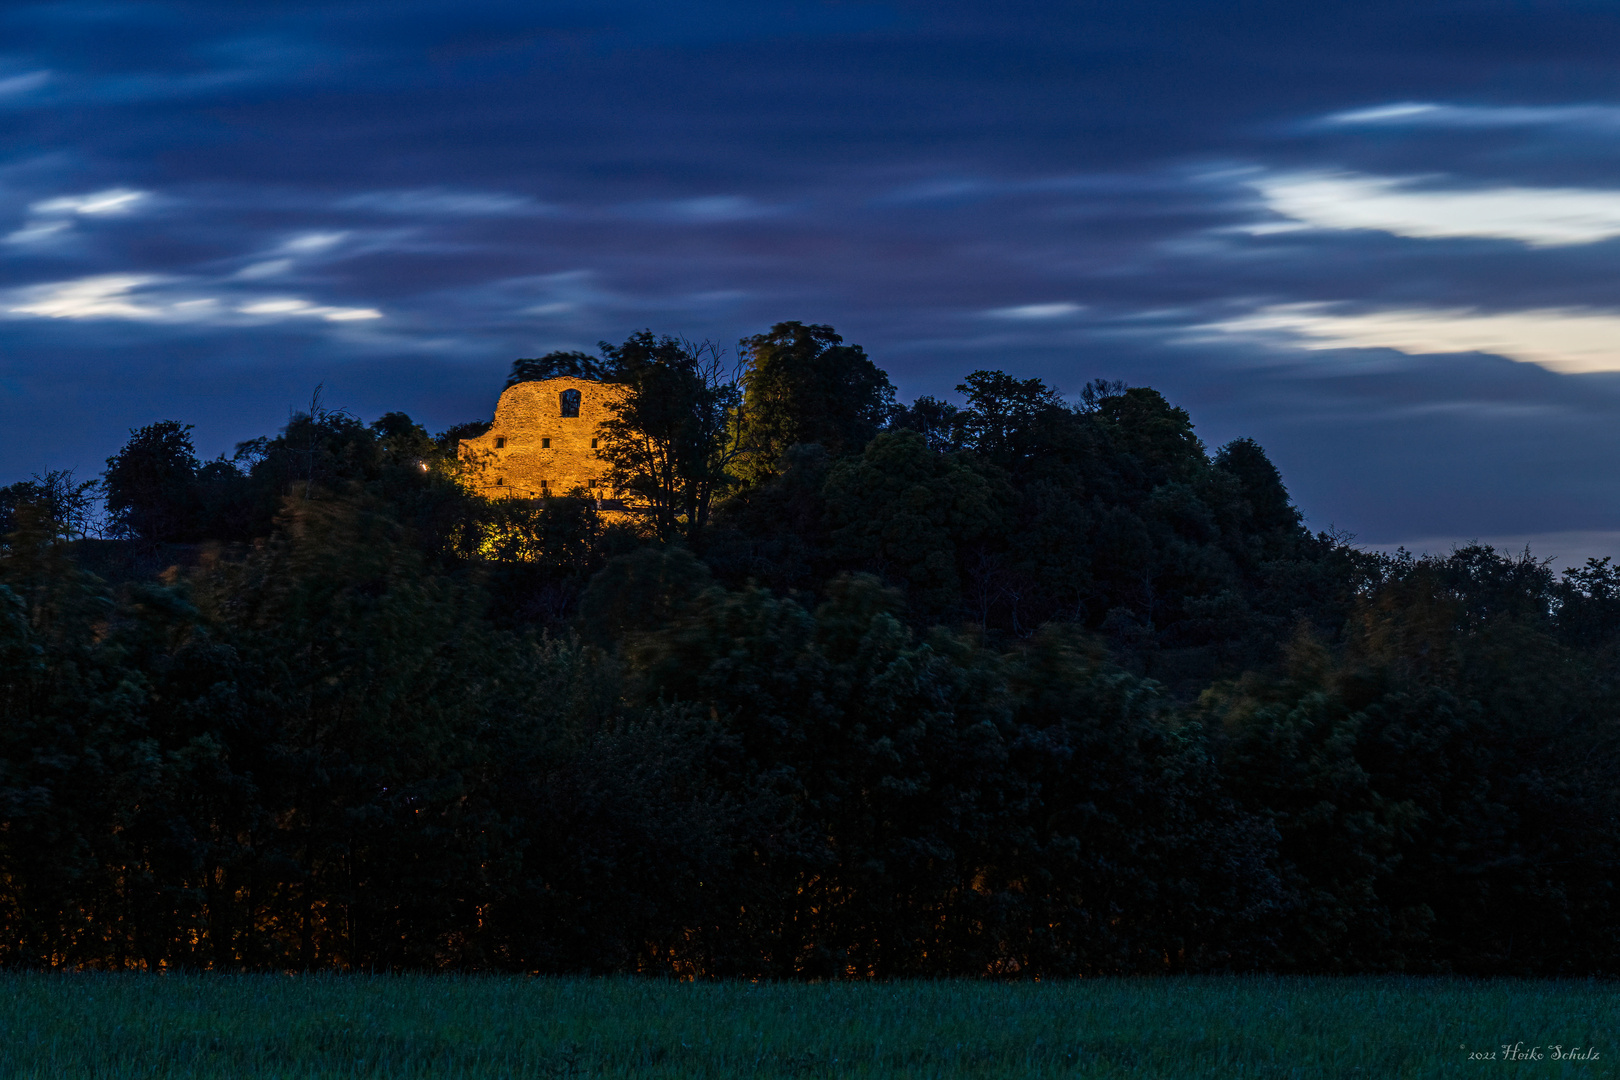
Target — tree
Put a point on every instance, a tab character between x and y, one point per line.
938	422
1155	435
558	364
1270	509
915	517
675	434
448	441
151	482
56	499
807	386
1001	413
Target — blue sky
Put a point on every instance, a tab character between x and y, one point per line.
1381	238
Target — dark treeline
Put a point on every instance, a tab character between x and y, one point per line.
1023	685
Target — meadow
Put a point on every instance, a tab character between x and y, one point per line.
103	1025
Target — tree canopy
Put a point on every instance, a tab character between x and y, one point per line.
806	386
559	364
1022	685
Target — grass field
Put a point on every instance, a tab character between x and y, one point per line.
85	1026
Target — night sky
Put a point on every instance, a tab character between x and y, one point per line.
1381	238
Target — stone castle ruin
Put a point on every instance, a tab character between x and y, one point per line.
544	441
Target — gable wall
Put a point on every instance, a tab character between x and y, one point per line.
528	414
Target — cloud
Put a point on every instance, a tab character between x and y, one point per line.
1571	341
266	269
311	243
960	189
104	296
51	218
292	307
285	256
35	231
439	203
111	201
155	298
1424	114
1034	312
17	85
707	209
1539	217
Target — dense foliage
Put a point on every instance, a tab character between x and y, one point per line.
1019	686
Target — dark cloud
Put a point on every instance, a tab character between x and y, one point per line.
206	210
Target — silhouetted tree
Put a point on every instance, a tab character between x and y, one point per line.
938	422
806	386
56	498
674	436
1269	507
554	365
151	484
1030	688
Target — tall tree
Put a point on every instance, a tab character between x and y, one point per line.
1001	414
151	483
1269	507
807	386
1156	436
676	433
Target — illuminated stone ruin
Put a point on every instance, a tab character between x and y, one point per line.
544	441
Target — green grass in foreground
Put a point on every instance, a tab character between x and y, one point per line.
85	1026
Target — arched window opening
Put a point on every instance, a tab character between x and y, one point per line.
570	402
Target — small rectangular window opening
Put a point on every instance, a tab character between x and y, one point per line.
593	444
545	444
500	444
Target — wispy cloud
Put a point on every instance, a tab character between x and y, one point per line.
111	201
258	271
575	297
156	298
35	231
704	210
27	83
1566	340
958	189
312	243
1426	114
293	307
1034	312
1538	217
286	255
52	218
435	202
104	296
233	63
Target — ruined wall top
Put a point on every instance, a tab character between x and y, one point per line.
544	439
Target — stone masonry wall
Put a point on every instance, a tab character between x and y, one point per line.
533	450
